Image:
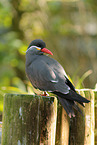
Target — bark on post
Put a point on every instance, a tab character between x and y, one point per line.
95	93
29	120
62	132
82	127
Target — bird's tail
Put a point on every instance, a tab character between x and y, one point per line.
68	102
73	96
69	106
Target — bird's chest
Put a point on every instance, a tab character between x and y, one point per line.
33	75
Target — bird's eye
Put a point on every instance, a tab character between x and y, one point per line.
38	48
38	45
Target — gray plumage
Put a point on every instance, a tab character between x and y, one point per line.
47	74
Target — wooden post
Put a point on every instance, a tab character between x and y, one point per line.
95	92
82	127
29	120
62	132
37	120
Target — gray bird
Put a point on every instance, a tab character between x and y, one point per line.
46	74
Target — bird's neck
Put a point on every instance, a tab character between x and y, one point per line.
30	58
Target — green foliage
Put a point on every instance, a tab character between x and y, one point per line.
1	101
69	29
80	80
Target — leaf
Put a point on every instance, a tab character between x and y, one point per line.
84	76
10	89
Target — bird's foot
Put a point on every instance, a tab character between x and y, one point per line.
45	94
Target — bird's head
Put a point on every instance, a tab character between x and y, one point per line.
37	47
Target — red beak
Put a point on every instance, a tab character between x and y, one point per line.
46	51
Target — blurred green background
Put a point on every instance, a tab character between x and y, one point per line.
69	28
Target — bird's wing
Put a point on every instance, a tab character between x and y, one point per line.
48	79
47	74
69	84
